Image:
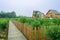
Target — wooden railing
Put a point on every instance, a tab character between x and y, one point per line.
29	32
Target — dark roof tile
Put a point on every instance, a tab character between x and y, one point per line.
56	12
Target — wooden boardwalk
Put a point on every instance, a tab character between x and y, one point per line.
14	33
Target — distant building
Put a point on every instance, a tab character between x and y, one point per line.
52	14
37	14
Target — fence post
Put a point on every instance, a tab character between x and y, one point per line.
39	33
23	28
30	38
35	33
26	31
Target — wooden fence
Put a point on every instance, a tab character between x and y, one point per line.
29	32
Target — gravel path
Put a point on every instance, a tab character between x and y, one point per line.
14	33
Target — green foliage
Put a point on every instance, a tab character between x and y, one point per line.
53	32
22	19
30	21
56	21
3	23
37	22
46	22
7	14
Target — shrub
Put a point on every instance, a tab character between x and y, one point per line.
53	32
3	23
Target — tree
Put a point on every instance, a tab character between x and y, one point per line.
7	14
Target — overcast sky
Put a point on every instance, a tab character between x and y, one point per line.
26	7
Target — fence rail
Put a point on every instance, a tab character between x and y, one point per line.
29	32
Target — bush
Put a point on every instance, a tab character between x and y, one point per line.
3	23
56	21
36	22
53	32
